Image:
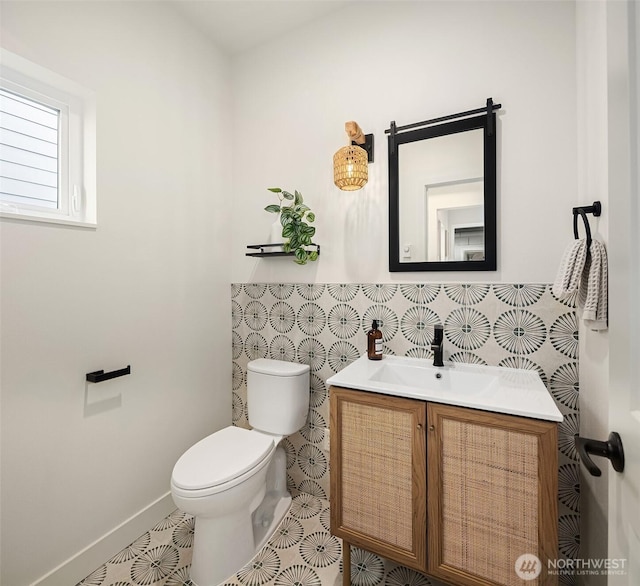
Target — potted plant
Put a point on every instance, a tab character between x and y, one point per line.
296	232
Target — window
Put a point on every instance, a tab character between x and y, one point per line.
29	141
47	145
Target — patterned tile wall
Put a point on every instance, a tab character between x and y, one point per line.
324	325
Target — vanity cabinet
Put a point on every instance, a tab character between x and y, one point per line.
379	475
456	493
492	495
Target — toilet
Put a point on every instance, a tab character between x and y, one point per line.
234	481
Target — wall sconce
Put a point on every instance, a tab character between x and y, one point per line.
350	163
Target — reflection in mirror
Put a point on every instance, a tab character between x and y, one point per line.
455	221
442	195
442	198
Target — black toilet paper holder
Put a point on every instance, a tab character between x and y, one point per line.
99	376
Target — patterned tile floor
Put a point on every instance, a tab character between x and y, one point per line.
301	552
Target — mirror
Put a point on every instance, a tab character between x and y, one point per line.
442	196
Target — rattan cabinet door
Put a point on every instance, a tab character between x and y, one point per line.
492	482
378	474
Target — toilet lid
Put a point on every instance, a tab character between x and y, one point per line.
221	457
277	367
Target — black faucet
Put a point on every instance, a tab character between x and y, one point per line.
437	344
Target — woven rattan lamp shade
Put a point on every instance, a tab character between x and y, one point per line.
350	168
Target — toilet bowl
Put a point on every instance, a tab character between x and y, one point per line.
234	481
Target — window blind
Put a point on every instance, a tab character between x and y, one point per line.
28	151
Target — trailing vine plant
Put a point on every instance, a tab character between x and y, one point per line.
296	232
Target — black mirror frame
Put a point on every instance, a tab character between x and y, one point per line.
488	123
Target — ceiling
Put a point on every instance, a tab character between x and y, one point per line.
239	25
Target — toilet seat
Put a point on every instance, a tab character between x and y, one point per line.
220	461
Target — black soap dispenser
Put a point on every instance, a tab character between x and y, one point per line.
374	342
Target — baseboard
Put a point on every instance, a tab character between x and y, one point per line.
80	565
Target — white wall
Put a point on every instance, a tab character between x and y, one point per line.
407	61
148	288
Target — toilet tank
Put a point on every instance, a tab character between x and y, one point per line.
277	395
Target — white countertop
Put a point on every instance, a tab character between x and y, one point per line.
489	388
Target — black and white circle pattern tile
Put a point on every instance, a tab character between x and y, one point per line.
325	325
302	552
161	556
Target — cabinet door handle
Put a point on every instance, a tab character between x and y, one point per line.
432	428
419	426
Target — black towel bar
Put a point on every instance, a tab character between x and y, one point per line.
595	209
100	375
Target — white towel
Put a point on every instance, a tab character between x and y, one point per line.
594	288
571	269
587	274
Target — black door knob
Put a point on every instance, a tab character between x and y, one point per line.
611	449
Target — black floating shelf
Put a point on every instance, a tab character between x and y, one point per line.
262	250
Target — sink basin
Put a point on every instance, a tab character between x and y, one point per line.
426	377
490	388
